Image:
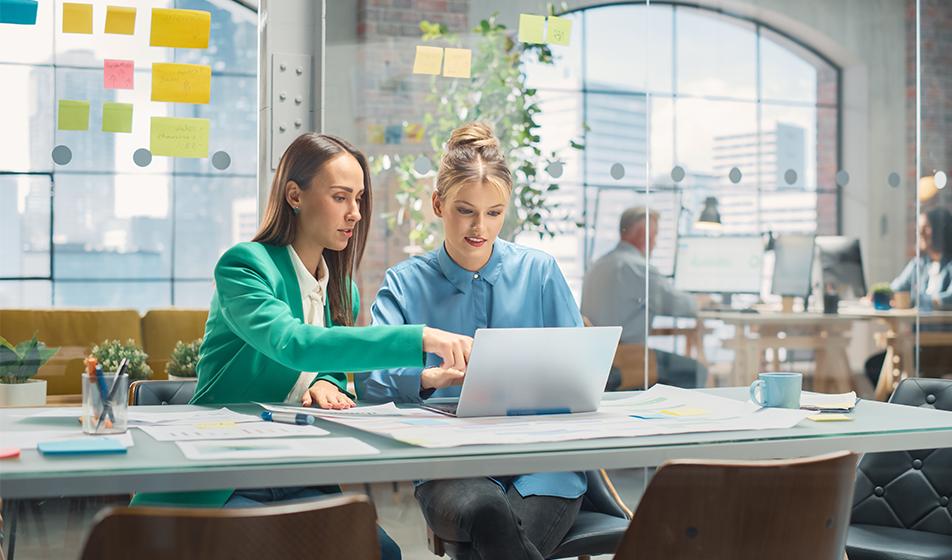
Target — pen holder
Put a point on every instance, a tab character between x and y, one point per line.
105	403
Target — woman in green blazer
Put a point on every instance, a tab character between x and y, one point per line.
283	312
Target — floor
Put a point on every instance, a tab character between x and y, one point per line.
54	529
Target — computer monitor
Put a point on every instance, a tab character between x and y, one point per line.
719	265
793	265
841	265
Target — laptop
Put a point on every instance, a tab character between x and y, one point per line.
514	372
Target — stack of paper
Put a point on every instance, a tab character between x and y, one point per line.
842	402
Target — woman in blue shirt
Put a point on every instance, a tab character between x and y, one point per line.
475	280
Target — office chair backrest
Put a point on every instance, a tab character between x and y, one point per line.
908	489
338	527
161	392
740	510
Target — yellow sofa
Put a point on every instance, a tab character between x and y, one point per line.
76	331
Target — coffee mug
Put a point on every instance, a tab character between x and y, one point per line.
778	389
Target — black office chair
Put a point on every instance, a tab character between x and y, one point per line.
598	529
161	391
901	505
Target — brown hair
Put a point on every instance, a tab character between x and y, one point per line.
472	156
301	163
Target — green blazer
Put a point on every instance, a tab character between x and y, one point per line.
256	344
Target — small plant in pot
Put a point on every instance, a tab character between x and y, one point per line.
183	360
111	352
882	293
18	364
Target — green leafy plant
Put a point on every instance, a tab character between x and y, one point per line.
111	352
881	288
21	362
497	93
184	358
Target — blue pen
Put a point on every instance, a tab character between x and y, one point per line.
101	384
287	418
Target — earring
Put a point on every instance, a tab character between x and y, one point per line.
296	210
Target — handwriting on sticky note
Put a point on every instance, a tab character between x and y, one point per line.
120	20
531	29
116	117
77	18
72	115
457	63
684	411
118	74
19	12
181	83
428	60
183	29
560	31
830	418
179	137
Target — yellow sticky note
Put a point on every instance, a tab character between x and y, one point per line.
181	83
179	137
72	115
213	425
560	31
457	63
184	29
116	117
830	418
120	20
531	29
77	18
684	411
428	60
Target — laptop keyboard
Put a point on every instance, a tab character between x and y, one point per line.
445	408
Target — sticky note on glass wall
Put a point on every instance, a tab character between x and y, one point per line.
116	117
457	63
531	28
120	20
560	31
179	137
181	83
428	60
118	74
20	12
72	115
77	18
182	29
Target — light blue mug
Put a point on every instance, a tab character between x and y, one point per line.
778	389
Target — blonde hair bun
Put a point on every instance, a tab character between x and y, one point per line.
475	135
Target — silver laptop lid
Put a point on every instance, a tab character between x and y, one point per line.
537	370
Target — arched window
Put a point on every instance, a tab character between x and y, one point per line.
664	87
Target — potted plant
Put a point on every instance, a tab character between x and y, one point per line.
182	361
111	352
18	364
882	293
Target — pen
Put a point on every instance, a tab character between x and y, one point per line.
107	406
287	418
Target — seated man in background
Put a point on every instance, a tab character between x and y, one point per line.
616	289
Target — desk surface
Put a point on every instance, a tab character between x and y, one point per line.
159	466
813	317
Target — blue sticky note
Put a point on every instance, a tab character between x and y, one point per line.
81	446
650	416
20	12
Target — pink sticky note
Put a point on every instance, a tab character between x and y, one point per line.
118	74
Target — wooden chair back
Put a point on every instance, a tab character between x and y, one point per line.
630	361
744	510
338	527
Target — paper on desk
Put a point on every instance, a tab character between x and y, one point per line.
832	402
29	439
182	432
159	415
274	448
389	409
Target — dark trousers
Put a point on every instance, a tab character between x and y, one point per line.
257	497
934	361
498	524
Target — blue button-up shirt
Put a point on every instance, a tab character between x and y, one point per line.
518	287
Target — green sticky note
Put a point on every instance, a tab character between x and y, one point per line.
72	115
20	12
560	31
179	137
117	117
531	28
684	411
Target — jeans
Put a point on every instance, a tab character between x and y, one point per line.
256	497
498	524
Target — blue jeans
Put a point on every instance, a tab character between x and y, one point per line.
256	497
